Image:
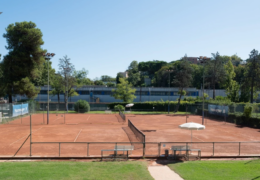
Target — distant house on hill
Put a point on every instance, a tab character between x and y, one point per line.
197	60
193	60
124	74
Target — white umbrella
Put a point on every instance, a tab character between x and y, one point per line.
129	105
192	126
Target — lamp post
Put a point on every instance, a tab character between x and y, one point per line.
203	60
66	70
169	71
47	57
149	94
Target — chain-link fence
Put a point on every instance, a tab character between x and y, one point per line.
55	106
10	112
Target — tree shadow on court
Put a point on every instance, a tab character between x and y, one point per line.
245	126
168	161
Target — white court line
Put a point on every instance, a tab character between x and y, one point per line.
24	136
88	118
57	119
198	138
77	135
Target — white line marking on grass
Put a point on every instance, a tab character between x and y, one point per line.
77	135
24	136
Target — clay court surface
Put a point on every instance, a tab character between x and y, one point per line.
87	134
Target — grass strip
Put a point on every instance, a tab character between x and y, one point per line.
218	170
74	170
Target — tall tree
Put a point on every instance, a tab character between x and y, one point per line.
231	86
236	60
230	74
197	75
252	73
43	78
1	71
118	76
106	78
87	82
215	71
57	86
124	91
133	73
151	66
240	71
66	71
161	78
2	89
182	77
110	84
81	77
148	70
99	83
24	60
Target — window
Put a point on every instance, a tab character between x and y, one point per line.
43	92
175	93
143	93
159	93
107	92
84	92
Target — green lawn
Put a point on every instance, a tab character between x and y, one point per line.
218	170
74	170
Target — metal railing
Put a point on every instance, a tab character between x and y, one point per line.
155	149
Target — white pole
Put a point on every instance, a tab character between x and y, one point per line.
191	139
48	95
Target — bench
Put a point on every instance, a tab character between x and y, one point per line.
114	155
188	152
198	156
117	148
124	148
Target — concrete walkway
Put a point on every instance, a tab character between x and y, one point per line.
162	172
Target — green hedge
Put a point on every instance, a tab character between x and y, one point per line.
158	106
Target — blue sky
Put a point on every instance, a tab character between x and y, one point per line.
105	36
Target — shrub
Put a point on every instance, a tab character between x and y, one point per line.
81	106
248	111
119	107
189	99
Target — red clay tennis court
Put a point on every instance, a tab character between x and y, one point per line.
82	135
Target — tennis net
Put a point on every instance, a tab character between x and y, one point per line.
122	115
139	135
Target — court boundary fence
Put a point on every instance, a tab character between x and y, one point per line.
159	145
